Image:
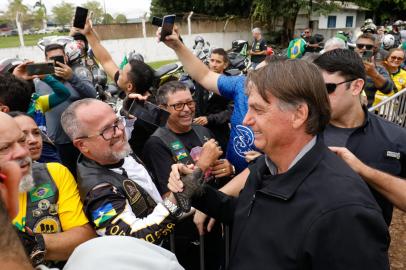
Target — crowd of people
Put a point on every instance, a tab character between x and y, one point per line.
287	158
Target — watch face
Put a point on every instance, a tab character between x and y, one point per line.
37	256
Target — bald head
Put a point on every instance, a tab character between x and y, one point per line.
82	114
7	123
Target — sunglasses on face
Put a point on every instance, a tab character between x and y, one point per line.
331	87
366	46
397	58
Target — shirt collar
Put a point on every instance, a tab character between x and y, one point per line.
284	186
274	170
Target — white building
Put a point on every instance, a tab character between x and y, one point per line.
349	18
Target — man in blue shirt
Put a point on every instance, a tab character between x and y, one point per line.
231	87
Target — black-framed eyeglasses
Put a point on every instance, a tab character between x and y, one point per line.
366	46
180	106
331	87
109	132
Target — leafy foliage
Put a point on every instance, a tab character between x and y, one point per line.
96	8
121	18
63	13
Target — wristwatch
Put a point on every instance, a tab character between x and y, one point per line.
172	208
37	255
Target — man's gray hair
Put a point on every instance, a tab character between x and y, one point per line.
69	120
257	30
334	43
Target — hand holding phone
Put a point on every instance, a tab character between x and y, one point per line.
58	58
367	55
40	68
80	17
149	113
167	26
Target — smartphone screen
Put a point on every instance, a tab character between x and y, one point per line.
367	55
167	26
80	17
58	58
149	113
40	68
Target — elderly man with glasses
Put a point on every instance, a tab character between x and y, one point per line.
378	77
118	194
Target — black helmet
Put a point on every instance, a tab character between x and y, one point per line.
99	76
199	39
133	55
79	36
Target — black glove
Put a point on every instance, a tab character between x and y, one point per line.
192	187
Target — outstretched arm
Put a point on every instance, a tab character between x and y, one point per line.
193	66
102	55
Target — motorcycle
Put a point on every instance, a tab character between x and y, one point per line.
240	63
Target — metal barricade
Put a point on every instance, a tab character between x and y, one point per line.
393	108
201	247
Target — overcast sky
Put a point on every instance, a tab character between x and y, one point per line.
130	8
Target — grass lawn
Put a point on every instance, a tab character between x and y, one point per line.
29	40
158	64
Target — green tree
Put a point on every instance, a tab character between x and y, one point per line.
63	13
217	8
121	18
96	8
15	6
107	19
38	17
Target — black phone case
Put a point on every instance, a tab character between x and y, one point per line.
149	113
167	27
80	17
40	69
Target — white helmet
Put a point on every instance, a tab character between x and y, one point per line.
368	21
73	51
388	41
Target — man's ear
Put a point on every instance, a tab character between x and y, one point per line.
4	108
130	88
81	145
357	86
300	115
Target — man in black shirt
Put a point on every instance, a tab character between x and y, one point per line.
311	43
258	49
377	143
176	143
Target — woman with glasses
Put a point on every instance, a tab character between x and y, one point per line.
392	63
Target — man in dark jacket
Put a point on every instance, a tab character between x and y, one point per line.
302	207
118	194
214	111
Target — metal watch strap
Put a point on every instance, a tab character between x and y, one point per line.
172	208
37	256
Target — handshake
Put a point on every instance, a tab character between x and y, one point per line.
187	181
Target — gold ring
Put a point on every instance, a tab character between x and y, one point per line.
224	170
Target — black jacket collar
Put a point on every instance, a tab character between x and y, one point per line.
284	185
